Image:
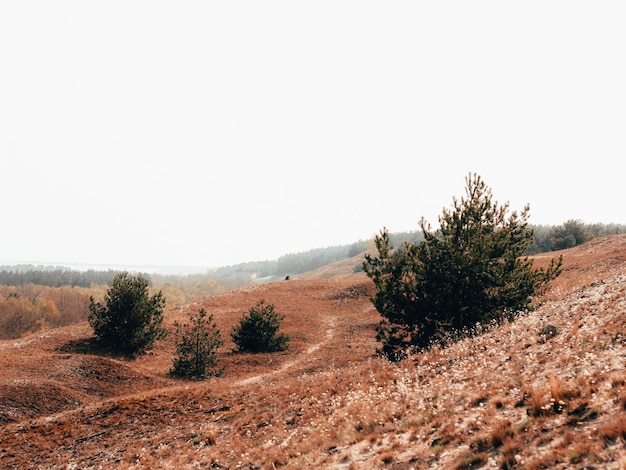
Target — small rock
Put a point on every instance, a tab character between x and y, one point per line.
548	331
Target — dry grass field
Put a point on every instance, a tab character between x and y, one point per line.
509	398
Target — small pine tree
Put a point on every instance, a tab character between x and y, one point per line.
197	347
258	331
130	319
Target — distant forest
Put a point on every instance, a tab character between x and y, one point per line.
53	276
547	238
291	264
37	297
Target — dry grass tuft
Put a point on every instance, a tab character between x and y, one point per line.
479	400
613	430
387	457
510	456
500	433
538	403
470	460
559	392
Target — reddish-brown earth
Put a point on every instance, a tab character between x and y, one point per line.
508	398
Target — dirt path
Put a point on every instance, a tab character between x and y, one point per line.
330	333
330	325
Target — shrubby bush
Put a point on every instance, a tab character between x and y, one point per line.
130	319
258	331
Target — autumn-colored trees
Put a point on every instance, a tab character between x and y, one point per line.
28	308
70	303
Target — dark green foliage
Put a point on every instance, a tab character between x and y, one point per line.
197	345
601	230
542	239
570	234
296	263
470	272
293	263
258	331
130	320
356	249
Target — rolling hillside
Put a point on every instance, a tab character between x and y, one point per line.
510	398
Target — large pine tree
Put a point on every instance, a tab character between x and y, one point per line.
471	271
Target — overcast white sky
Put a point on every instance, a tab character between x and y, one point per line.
212	133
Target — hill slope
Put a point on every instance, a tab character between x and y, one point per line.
510	398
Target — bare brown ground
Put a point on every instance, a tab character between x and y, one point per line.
508	398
